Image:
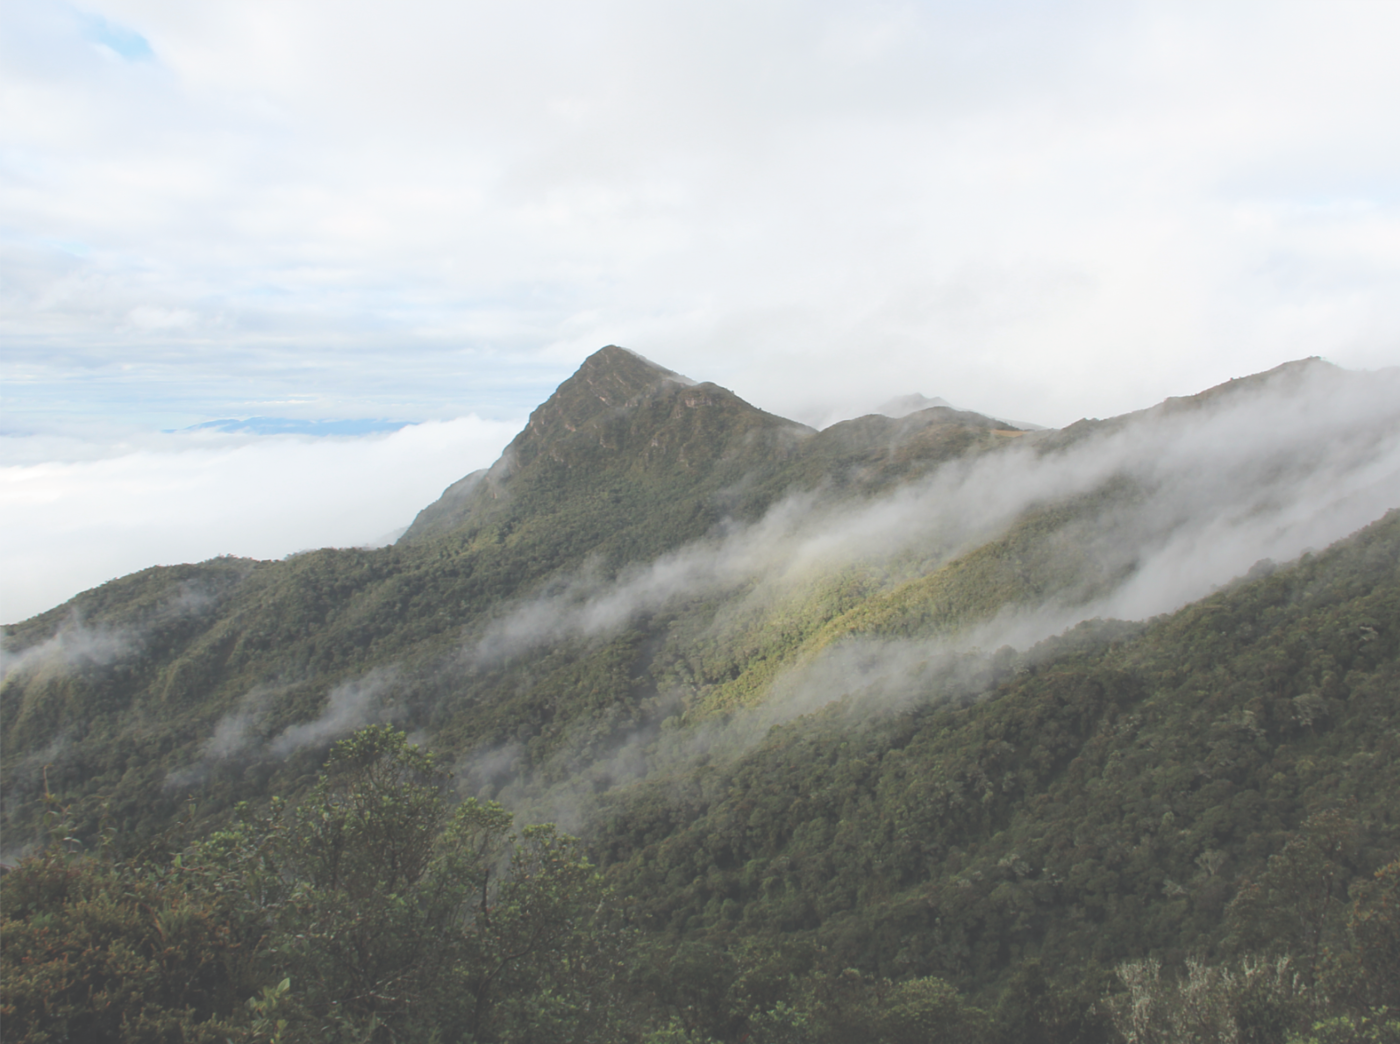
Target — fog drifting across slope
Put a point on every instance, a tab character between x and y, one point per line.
77	644
349	706
74	515
1301	460
1198	492
1264	471
74	645
1295	464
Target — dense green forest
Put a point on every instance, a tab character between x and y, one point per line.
684	722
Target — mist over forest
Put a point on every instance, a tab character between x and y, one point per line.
916	727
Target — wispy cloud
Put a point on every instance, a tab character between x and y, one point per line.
234	735
348	707
1206	491
74	645
78	643
240	734
1268	472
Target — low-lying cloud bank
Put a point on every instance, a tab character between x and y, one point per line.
80	515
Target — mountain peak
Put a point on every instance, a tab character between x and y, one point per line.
615	375
622	363
619	421
610	377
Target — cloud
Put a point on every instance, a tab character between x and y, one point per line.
72	646
1259	473
76	644
78	512
348	707
1266	473
238	734
1036	214
1263	471
234	735
234	732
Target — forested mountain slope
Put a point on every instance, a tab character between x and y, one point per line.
653	555
928	698
1108	794
171	674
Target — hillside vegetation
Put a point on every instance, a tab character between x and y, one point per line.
926	725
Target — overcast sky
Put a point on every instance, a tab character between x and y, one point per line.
435	210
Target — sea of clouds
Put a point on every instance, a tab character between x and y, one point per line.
76	513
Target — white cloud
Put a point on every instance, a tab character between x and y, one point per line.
1296	462
72	524
1041	212
1037	211
72	645
348	707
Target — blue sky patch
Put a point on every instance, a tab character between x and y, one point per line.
128	43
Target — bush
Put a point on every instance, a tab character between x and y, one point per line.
1260	1003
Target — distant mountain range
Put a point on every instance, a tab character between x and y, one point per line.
290	426
922	693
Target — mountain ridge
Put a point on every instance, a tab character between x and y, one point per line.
925	696
620	414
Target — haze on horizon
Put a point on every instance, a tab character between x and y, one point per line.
330	212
